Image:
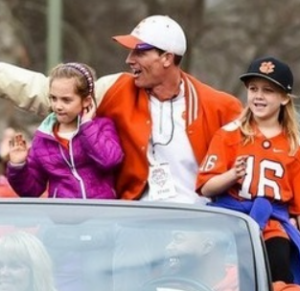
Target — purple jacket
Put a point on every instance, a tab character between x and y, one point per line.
86	170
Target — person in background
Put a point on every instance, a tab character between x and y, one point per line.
201	256
164	116
24	264
253	163
192	255
72	153
6	190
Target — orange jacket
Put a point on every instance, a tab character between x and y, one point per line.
207	110
5	189
230	281
281	286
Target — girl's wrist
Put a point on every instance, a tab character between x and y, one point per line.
232	175
16	164
83	121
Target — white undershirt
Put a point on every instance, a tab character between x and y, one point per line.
178	152
66	135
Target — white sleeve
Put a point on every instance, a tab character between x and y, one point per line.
103	84
26	89
29	90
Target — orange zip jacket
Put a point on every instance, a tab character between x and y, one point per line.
207	110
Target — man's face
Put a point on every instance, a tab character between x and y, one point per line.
186	249
147	67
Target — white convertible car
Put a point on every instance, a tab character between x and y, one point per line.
97	245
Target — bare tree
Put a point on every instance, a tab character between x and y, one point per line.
12	50
236	32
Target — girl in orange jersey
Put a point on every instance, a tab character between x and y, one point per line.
253	164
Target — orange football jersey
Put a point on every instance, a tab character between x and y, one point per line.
271	171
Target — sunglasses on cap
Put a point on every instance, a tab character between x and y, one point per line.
144	46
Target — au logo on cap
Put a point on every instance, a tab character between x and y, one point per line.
267	67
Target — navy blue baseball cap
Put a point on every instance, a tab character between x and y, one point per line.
273	70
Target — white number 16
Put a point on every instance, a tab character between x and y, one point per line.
262	180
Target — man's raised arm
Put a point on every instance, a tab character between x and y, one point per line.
26	89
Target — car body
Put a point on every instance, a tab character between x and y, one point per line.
122	245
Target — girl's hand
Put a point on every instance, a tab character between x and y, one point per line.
89	112
240	166
293	221
18	150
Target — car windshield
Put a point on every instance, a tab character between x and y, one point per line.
131	246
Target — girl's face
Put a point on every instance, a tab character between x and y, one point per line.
65	103
14	276
265	99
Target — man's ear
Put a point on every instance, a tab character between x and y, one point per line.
168	59
209	245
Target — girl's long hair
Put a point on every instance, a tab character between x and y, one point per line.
288	118
27	249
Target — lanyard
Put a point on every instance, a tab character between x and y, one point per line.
153	143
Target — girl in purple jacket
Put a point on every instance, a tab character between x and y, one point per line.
73	153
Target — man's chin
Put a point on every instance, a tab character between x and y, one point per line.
182	265
139	84
174	265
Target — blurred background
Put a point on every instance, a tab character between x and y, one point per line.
223	37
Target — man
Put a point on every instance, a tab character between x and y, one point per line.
203	257
204	260
165	117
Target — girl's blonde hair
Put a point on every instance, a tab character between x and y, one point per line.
84	75
288	118
28	250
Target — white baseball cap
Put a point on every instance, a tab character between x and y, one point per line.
157	31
